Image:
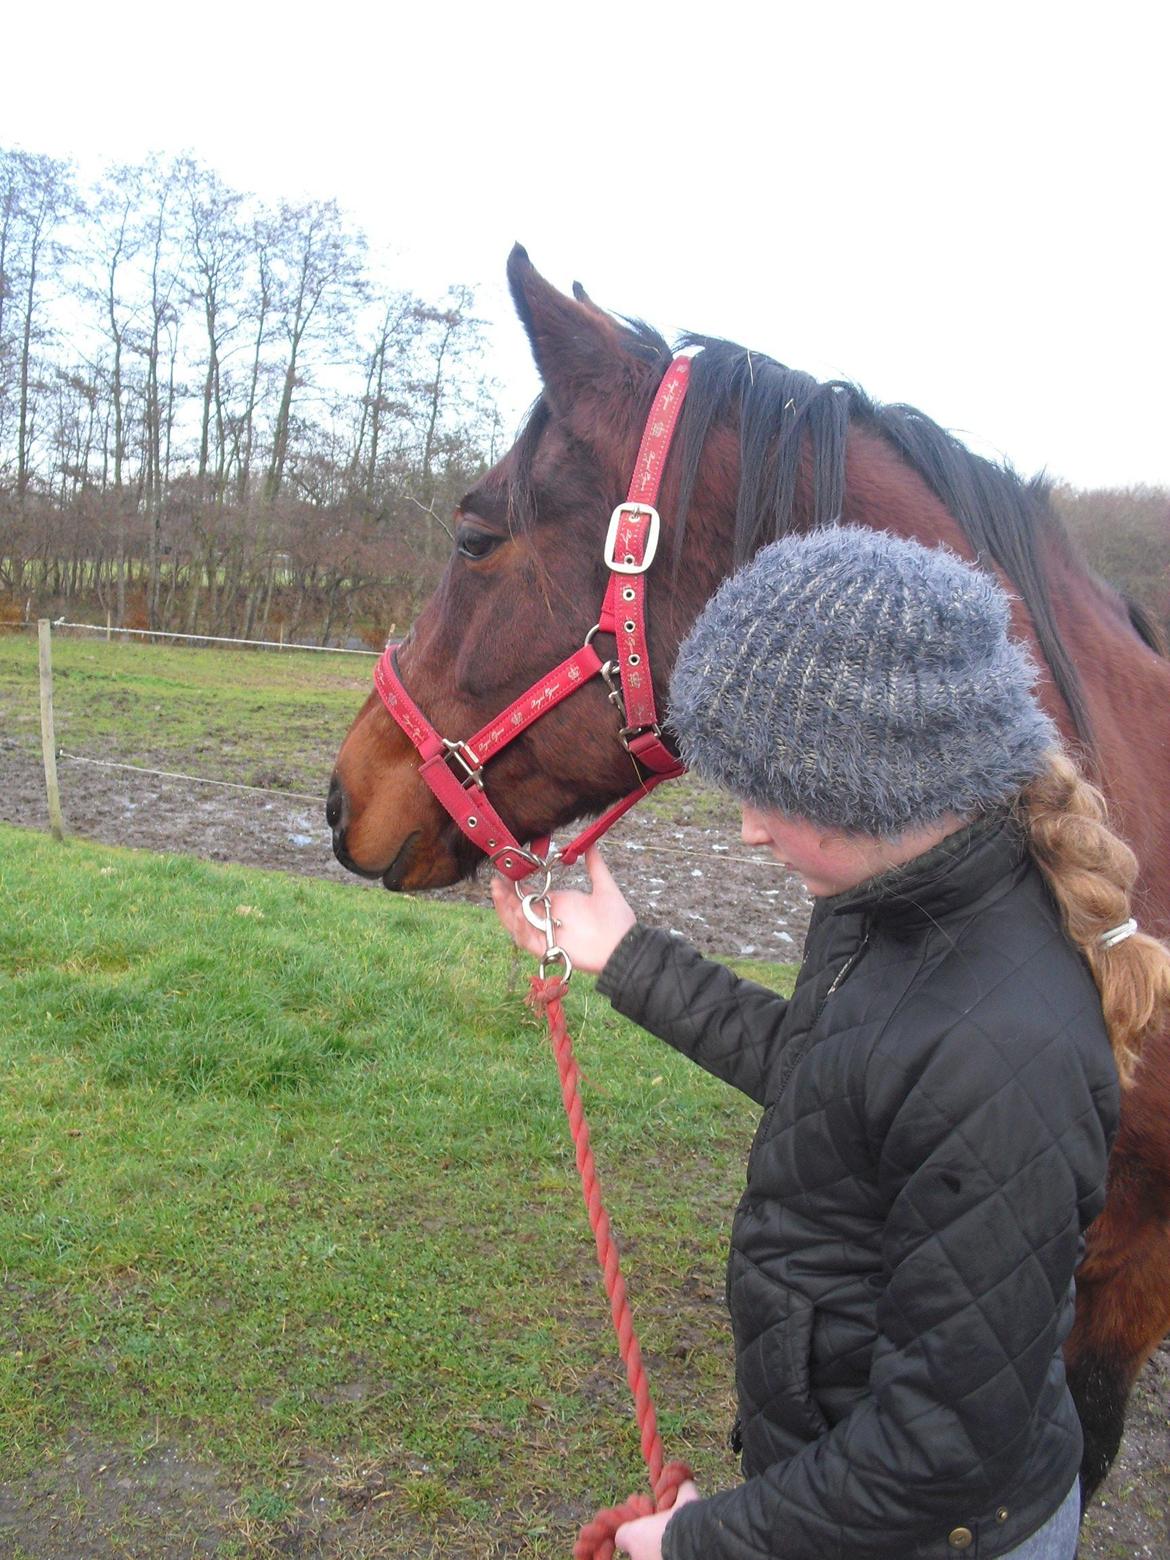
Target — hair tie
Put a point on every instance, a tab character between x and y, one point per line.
1118	934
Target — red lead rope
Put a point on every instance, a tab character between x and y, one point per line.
596	1539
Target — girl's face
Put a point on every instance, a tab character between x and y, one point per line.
826	862
829	861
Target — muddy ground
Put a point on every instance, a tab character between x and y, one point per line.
693	875
697	878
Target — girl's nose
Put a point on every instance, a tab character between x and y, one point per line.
751	831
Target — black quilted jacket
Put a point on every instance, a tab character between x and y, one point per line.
939	1099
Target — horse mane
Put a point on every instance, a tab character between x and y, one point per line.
787	418
784	413
1147	628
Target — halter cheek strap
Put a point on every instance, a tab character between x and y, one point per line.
453	769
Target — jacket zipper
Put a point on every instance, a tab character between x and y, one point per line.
788	1066
840	976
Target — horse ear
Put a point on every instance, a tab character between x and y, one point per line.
583	297
578	348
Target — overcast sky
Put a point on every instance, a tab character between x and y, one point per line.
961	206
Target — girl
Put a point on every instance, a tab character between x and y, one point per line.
940	1092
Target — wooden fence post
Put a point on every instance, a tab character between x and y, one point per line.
48	736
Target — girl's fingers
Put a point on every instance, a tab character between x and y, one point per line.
587	926
511	914
599	874
507	906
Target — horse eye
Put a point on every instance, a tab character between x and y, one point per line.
472	542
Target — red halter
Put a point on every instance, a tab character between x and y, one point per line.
454	768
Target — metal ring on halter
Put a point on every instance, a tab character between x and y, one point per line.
533	860
524	889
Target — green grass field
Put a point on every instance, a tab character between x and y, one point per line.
285	1182
177	706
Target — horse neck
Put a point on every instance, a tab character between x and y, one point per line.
885	494
1126	685
881	492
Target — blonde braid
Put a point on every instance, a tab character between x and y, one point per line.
1090	872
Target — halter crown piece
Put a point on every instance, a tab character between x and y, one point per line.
453	767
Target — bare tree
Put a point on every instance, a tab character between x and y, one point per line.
163	253
116	235
209	414
40	196
317	264
243	452
451	399
218	246
10	193
387	396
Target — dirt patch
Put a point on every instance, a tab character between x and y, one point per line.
97	1501
692	876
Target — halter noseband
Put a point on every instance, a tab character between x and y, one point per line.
453	769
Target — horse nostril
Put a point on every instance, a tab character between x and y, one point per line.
334	803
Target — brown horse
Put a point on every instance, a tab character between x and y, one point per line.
762	450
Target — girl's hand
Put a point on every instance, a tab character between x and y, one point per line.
642	1540
587	926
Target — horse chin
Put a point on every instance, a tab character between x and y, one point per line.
416	868
395	876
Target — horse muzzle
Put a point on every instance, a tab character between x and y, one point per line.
385	822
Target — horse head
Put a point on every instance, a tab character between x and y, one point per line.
520	592
762	449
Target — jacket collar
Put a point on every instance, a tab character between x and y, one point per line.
985	858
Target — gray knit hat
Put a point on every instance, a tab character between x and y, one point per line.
859	681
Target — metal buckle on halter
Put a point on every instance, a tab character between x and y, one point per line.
610	673
627	734
473	770
626	565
